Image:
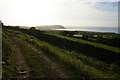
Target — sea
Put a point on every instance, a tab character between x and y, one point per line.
94	29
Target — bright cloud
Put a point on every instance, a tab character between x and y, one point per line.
63	12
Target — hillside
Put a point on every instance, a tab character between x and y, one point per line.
41	54
50	27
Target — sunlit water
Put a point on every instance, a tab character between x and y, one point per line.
95	29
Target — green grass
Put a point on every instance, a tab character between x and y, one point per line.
81	64
8	61
38	67
69	59
30	57
110	48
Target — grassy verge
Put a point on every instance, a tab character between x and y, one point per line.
8	61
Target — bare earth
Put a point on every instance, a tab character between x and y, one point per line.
22	67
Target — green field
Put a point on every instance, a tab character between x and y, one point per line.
75	58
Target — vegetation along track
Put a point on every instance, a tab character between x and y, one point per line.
50	64
22	67
29	59
81	64
99	51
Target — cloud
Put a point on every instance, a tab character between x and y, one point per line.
90	13
109	6
64	12
98	0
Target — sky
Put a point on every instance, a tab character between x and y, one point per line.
101	13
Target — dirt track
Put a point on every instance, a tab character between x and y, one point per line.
22	67
51	68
